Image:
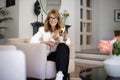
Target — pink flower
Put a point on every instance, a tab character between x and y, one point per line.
105	46
65	15
66	12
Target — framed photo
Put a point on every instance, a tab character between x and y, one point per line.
117	15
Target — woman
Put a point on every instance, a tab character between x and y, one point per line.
53	23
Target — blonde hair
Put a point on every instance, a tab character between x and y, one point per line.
60	23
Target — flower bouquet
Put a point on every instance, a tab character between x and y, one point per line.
112	63
111	46
65	15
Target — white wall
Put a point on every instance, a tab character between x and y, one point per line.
12	26
106	18
103	20
23	15
26	17
77	25
96	22
103	11
69	5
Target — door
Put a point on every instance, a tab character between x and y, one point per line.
85	24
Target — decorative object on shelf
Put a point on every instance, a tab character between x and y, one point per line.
10	3
37	11
36	26
65	15
111	64
3	18
37	8
117	15
66	27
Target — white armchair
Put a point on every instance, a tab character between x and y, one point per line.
12	63
36	59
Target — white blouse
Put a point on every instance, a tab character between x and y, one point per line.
41	35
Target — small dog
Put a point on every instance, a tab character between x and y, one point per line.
60	36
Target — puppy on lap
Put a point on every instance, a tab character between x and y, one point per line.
60	36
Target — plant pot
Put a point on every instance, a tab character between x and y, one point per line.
112	66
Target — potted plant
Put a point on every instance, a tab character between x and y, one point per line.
112	47
65	14
3	18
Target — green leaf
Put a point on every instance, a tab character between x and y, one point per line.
116	48
3	28
5	19
3	11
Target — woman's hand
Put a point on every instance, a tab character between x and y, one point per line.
49	43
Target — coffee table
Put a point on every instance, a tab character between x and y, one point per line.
95	73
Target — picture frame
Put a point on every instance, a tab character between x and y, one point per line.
117	15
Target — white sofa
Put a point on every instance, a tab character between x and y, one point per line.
36	59
12	63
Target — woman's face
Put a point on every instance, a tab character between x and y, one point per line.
53	21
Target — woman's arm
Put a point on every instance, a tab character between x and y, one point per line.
49	43
37	37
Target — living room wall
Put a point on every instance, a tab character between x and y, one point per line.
104	22
107	25
12	26
23	16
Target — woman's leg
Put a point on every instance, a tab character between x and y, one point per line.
62	59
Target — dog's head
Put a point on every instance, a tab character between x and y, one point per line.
61	31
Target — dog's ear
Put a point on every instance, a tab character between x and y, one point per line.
60	31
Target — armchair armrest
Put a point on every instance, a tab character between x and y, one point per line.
12	63
72	52
36	58
71	67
